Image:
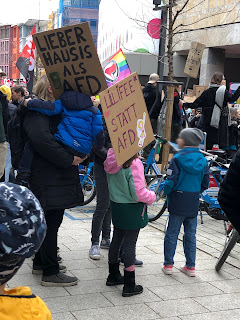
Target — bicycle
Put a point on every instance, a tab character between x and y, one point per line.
230	243
155	181
87	183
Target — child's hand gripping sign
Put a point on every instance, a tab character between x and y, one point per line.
126	117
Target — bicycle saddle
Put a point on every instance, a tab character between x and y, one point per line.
219	152
214	170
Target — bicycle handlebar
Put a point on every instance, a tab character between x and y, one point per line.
164	141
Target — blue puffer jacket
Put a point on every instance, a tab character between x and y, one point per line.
81	123
187	177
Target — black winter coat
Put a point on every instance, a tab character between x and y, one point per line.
149	93
5	112
207	101
233	134
54	180
229	192
101	155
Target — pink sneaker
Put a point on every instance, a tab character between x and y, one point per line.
188	271
167	269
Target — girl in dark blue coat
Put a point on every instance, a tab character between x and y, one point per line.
187	176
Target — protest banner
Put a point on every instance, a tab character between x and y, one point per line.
127	119
70	60
194	59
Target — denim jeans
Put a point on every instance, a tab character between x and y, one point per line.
189	239
102	216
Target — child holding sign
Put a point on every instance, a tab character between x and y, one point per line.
80	126
129	196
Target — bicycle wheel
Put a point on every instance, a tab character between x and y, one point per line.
156	210
233	238
89	190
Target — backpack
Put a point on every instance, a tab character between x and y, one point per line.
16	136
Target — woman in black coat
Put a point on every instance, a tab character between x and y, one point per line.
207	101
229	192
55	182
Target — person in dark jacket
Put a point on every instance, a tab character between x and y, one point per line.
232	147
177	116
187	176
207	101
101	222
55	182
229	191
149	93
4	116
194	120
80	126
9	172
18	95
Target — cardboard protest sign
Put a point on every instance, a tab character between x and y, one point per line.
126	117
194	59
70	60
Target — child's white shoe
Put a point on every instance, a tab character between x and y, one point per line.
191	272
167	269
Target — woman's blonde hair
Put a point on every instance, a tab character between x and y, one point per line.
41	88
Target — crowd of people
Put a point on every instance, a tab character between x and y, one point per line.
213	112
42	143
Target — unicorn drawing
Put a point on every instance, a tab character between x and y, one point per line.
141	133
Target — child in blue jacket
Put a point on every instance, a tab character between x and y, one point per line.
187	177
80	127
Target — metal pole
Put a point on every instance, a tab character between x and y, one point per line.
187	83
161	54
162	46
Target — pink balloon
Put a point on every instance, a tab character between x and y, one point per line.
153	28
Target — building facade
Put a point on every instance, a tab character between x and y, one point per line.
216	24
53	21
15	52
6	47
78	11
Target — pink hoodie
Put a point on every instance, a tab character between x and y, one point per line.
133	188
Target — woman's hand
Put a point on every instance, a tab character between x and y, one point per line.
26	102
78	160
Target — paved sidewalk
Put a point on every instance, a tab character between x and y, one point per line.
209	296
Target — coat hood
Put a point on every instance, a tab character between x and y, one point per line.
191	160
110	164
76	101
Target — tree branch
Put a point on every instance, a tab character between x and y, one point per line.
179	11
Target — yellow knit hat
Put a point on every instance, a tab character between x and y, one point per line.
7	91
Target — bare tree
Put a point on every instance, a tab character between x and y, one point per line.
175	27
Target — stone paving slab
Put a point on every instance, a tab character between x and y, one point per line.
209	296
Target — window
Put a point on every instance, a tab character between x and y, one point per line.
93	25
15	33
90	3
2	33
7	32
6	46
6	58
2	58
1	46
